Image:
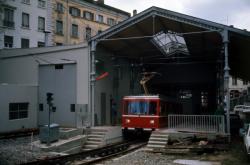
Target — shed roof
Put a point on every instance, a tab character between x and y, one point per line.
132	38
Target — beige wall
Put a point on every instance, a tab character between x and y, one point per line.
82	23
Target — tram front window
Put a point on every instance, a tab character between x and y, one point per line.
140	108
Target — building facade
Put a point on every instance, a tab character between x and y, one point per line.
23	22
75	21
28	75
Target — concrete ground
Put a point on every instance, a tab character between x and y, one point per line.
20	150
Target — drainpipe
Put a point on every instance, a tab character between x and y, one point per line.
92	81
46	38
226	81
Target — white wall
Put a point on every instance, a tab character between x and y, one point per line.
240	86
17	94
32	33
24	69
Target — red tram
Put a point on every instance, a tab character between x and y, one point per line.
147	112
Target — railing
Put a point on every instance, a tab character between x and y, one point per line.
197	123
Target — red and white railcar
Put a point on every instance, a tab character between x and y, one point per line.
147	112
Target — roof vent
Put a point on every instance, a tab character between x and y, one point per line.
232	26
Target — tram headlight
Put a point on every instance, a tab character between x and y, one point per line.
151	121
127	121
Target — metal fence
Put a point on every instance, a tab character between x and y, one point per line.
197	123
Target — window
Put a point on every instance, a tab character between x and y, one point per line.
59	66
88	33
25	43
40	44
59	7
40	107
26	2
140	108
59	44
74	30
72	107
88	15
41	3
8	20
99	31
234	81
74	11
25	20
59	27
18	110
41	23
8	41
110	21
100	19
245	82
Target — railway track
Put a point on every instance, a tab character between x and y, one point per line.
18	134
92	156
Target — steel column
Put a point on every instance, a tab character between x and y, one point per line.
226	81
92	81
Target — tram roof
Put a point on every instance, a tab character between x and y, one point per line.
143	97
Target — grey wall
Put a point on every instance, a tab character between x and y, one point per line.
24	69
17	94
62	83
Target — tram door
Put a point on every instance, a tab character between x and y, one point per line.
103	108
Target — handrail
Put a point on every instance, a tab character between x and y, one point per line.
197	123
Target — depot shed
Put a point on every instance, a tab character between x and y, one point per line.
193	56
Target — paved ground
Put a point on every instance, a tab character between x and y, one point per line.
235	156
19	150
16	151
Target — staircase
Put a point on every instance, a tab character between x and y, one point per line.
157	140
95	139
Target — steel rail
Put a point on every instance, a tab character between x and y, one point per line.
112	155
100	152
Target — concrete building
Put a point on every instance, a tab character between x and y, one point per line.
75	21
237	84
239	92
18	104
63	71
23	22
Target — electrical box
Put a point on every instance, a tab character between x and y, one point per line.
45	135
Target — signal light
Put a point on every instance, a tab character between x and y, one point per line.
50	98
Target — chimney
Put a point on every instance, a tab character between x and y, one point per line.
134	12
100	2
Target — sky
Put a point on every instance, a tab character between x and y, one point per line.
228	12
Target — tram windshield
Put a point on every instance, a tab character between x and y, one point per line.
140	108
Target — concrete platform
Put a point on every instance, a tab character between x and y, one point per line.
176	134
69	146
113	133
70	141
102	135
